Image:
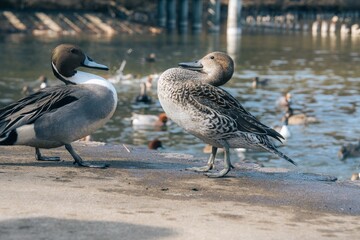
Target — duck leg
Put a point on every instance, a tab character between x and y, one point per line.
39	157
80	162
227	165
210	164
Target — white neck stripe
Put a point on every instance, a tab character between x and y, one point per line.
57	71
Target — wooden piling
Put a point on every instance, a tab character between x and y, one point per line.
197	16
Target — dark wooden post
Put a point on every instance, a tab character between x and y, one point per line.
161	14
171	14
183	15
197	16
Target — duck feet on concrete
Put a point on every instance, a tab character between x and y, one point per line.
39	157
80	162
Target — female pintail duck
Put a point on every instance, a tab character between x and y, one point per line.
190	97
56	116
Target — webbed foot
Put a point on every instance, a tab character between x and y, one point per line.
219	174
80	162
201	169
39	157
91	165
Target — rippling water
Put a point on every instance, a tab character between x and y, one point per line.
322	73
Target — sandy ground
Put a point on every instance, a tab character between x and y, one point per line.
148	195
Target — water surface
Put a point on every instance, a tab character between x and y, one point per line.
321	72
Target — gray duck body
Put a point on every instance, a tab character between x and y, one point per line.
209	113
51	122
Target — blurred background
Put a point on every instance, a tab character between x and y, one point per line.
309	49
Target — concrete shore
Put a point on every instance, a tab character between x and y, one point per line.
148	195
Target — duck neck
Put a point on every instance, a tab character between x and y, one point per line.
59	76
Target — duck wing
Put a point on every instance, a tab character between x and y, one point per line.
218	102
28	109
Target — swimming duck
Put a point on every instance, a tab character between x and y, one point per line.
190	97
149	120
355	177
284	129
57	116
349	150
26	90
298	119
143	97
151	57
155	144
44	81
259	83
284	100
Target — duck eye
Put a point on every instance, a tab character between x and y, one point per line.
74	50
212	57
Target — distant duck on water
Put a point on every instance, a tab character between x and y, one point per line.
257	82
155	144
299	118
43	81
284	101
27	90
143	97
190	96
149	120
349	150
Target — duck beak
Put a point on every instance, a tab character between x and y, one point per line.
195	66
89	63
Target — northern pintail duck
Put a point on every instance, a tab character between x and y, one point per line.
56	116
299	118
190	97
284	101
284	129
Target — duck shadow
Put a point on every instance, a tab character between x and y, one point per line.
57	228
117	164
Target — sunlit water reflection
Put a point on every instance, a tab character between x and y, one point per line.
322	73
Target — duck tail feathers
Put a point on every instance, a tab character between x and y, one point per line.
273	150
